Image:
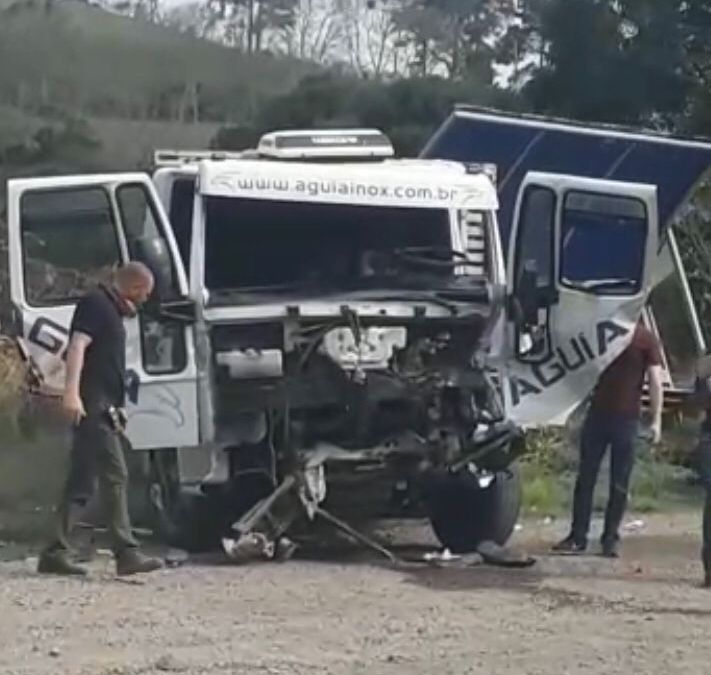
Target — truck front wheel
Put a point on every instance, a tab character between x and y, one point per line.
463	514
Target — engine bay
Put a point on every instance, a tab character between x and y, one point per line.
357	384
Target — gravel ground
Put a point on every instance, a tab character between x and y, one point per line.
350	614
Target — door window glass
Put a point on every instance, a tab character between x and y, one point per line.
163	345
144	233
536	234
69	243
603	240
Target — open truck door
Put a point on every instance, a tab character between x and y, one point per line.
580	266
66	234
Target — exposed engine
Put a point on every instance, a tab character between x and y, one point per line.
413	389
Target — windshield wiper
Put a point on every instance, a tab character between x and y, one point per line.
296	287
436	297
437	257
599	284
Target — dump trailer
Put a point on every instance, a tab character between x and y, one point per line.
518	144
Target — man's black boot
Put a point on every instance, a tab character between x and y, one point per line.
130	561
706	559
570	545
58	562
610	548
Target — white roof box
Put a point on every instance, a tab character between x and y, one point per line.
325	144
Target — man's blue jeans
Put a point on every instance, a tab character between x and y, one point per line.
603	430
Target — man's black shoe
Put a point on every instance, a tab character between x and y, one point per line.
130	562
570	546
610	549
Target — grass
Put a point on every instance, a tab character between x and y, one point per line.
543	493
15	125
659	486
549	471
33	465
31	472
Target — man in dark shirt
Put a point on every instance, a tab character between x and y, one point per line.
701	461
613	421
93	401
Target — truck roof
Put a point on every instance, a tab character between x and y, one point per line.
419	184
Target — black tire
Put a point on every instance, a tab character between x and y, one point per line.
463	514
201	517
196	518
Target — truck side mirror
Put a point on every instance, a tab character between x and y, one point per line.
183	310
532	340
527	293
153	252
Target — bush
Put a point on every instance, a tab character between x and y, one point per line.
544	493
317	100
547	449
657	484
546	469
235	138
408	111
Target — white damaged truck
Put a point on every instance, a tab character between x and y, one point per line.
339	340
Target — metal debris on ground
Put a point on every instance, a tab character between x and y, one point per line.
437	556
250	546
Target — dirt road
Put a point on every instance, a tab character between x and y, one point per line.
641	614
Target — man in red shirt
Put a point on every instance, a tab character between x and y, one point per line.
613	421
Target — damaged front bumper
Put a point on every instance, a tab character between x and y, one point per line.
261	532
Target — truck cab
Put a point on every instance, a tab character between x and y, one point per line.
329	333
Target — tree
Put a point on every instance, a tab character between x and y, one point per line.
519	46
372	36
196	19
247	23
696	22
612	60
313	34
316	100
452	35
694	238
408	110
696	26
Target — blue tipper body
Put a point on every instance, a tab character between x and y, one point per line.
517	144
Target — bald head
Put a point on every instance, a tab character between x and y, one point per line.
134	282
133	272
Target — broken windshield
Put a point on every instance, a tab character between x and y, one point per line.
277	247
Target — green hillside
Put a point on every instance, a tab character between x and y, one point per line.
82	88
73	58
